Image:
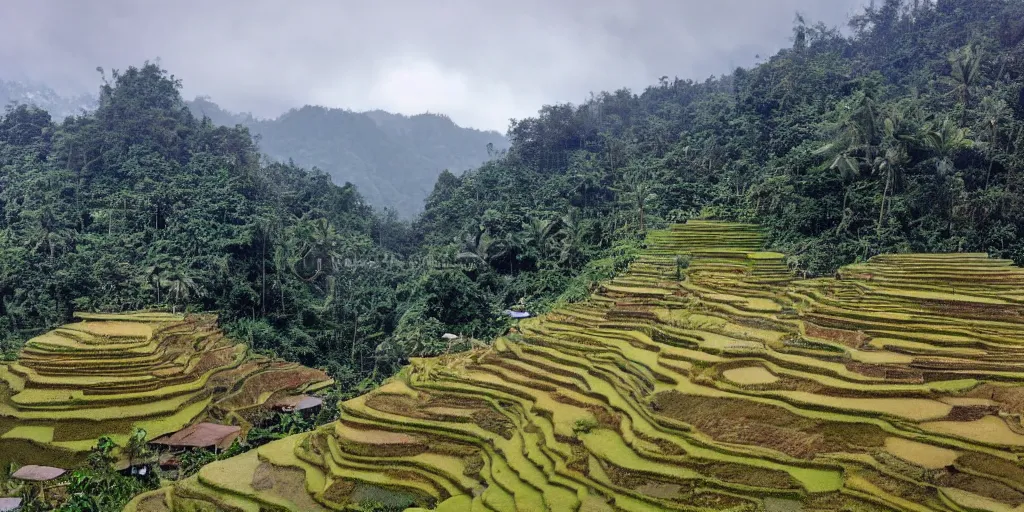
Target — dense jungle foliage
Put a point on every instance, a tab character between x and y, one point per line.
904	135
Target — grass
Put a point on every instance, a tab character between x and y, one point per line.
737	386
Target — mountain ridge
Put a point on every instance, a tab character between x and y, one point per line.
393	159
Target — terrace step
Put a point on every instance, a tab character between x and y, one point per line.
737	386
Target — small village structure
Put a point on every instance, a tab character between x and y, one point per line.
43	478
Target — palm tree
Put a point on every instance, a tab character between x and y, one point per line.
540	234
153	275
479	247
945	139
900	128
639	191
995	112
51	241
319	247
855	142
180	287
889	163
570	240
965	73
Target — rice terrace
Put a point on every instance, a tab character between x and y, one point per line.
706	377
108	373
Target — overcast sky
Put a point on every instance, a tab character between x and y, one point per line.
479	61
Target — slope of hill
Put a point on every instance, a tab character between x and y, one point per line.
140	205
905	135
393	159
109	373
705	378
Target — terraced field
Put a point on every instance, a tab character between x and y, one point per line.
727	385
106	374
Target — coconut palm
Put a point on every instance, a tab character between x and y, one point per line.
855	143
319	248
479	247
638	191
181	287
944	139
995	113
541	234
965	73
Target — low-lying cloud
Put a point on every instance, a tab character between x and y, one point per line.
481	62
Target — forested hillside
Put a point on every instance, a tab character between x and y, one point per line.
140	204
904	136
393	159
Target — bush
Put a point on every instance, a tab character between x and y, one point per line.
584	425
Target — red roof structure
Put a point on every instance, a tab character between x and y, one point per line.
35	473
298	403
201	435
9	504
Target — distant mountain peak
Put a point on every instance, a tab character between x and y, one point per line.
394	159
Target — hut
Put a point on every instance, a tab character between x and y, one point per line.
209	436
42	480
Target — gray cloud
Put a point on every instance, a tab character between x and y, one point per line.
481	62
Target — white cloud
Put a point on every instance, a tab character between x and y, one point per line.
481	62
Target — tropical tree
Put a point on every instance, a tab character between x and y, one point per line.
944	139
181	287
136	446
965	73
540	234
480	247
639	192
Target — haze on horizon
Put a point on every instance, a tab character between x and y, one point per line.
480	62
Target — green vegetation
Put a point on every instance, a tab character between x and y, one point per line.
849	152
901	137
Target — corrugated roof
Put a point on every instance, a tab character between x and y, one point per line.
37	473
9	504
298	403
201	435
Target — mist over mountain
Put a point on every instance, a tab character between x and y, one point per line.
32	93
393	159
